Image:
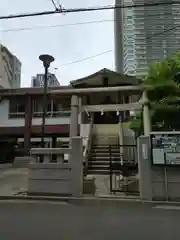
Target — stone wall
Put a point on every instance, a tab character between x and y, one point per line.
156	182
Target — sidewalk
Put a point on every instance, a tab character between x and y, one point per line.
14	185
13	181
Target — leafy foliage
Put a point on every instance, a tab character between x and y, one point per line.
163	81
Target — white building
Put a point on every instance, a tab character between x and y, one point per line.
140	35
38	81
10	69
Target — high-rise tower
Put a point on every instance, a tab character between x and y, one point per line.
146	35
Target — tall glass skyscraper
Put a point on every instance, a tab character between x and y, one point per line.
142	41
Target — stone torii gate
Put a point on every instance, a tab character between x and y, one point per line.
76	108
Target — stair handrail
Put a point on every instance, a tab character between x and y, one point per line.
87	150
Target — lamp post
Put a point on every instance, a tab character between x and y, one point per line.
47	60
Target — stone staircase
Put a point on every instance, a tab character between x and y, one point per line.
99	161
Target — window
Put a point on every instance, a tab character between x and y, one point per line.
38	107
16	107
105	81
55	107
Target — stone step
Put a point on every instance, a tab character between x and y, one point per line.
107	150
105	153
98	172
99	160
100	167
100	153
100	163
104	157
105	145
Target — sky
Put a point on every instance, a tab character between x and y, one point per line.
67	44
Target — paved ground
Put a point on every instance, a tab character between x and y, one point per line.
13	181
103	186
62	221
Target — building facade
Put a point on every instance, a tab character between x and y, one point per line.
143	40
21	109
38	81
10	69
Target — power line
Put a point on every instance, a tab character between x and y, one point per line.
89	9
55	26
163	32
73	24
108	51
86	58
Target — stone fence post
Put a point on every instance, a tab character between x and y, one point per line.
76	163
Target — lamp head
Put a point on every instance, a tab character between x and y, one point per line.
46	59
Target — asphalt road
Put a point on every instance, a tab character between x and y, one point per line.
25	220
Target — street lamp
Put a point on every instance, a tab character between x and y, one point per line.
47	60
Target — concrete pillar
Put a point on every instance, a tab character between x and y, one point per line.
76	163
144	165
146	115
80	112
74	127
47	159
80	117
60	158
28	125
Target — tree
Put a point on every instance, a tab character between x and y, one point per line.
163	91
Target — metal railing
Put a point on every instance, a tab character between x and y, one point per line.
62	113
17	115
122	176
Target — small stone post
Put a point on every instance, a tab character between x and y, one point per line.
76	163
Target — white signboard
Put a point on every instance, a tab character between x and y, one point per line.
165	149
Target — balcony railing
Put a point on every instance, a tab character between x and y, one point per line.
63	113
17	115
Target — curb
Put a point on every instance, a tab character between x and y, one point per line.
6	166
94	201
74	200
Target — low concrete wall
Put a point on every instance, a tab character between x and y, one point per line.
156	182
57	178
5	166
50	179
166	183
22	162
